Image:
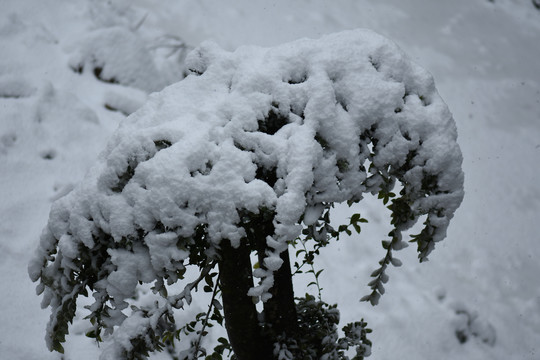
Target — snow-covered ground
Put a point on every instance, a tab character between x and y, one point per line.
481	282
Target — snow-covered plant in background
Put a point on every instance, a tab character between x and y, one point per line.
249	154
118	55
116	51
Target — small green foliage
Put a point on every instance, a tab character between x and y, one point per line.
123	179
322	141
343	165
57	346
272	122
385	196
356	335
162	144
317	336
355	221
424	240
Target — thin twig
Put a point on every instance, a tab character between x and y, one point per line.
205	321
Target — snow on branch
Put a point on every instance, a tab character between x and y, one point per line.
286	129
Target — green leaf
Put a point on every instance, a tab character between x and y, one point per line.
58	347
209	281
366	298
376	272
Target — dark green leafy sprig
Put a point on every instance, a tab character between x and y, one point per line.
317	335
355	221
317	236
379	275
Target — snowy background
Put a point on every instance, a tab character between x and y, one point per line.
56	113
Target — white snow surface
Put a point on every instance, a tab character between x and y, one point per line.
53	122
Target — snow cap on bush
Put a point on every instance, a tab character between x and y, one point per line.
290	130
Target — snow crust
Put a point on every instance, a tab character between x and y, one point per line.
194	153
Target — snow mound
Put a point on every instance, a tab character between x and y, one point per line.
288	129
118	55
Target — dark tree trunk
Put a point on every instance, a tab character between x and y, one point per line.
280	310
251	340
241	320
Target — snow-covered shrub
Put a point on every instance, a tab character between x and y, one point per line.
248	154
118	55
119	50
